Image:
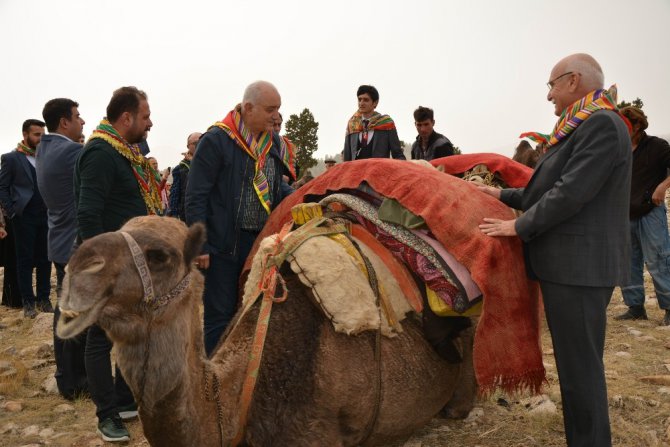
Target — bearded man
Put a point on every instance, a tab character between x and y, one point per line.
113	183
22	202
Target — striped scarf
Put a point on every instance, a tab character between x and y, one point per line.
25	149
256	148
576	114
287	155
377	122
144	175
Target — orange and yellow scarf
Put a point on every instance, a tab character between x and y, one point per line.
139	164
256	148
377	122
575	114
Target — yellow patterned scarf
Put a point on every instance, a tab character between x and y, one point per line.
139	164
24	149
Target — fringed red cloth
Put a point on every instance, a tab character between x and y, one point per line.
507	351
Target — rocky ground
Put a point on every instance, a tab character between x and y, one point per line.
637	359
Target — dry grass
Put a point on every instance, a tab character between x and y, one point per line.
639	412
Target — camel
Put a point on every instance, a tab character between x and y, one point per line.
315	386
526	155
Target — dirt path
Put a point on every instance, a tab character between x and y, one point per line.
639	412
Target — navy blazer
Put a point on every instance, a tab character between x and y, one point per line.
17	184
219	172
575	224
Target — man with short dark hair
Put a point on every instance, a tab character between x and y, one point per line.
429	144
234	184
650	240
576	235
56	156
113	183
369	133
180	179
21	199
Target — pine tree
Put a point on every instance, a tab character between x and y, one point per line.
301	130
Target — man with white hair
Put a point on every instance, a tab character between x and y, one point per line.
234	184
576	235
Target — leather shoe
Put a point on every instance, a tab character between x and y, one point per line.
29	311
666	319
45	306
633	313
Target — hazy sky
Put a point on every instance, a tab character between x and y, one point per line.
481	65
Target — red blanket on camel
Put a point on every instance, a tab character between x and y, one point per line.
507	352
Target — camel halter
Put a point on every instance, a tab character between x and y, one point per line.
149	299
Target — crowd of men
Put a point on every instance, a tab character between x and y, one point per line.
580	214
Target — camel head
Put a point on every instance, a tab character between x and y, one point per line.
104	285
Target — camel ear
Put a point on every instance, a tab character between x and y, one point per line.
93	265
194	242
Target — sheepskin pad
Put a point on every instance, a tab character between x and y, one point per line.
338	285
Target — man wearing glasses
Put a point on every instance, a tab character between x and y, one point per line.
576	235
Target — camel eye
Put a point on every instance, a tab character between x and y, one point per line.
157	256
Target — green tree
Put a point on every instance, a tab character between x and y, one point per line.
457	150
301	130
637	102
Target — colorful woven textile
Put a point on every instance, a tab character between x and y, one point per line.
377	122
25	149
419	256
256	148
576	114
287	153
139	164
507	352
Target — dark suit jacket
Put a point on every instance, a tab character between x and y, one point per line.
16	182
575	223
384	143
220	173
54	162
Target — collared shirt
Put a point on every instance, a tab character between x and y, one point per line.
254	215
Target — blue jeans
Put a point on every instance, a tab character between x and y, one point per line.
222	289
650	243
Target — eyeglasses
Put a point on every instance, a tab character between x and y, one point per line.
551	83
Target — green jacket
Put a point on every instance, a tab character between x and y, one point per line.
106	191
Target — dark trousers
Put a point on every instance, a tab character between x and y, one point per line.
60	275
11	296
70	366
222	289
107	393
30	239
577	318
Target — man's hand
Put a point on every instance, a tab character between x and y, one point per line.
658	197
490	190
3	233
202	262
498	227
